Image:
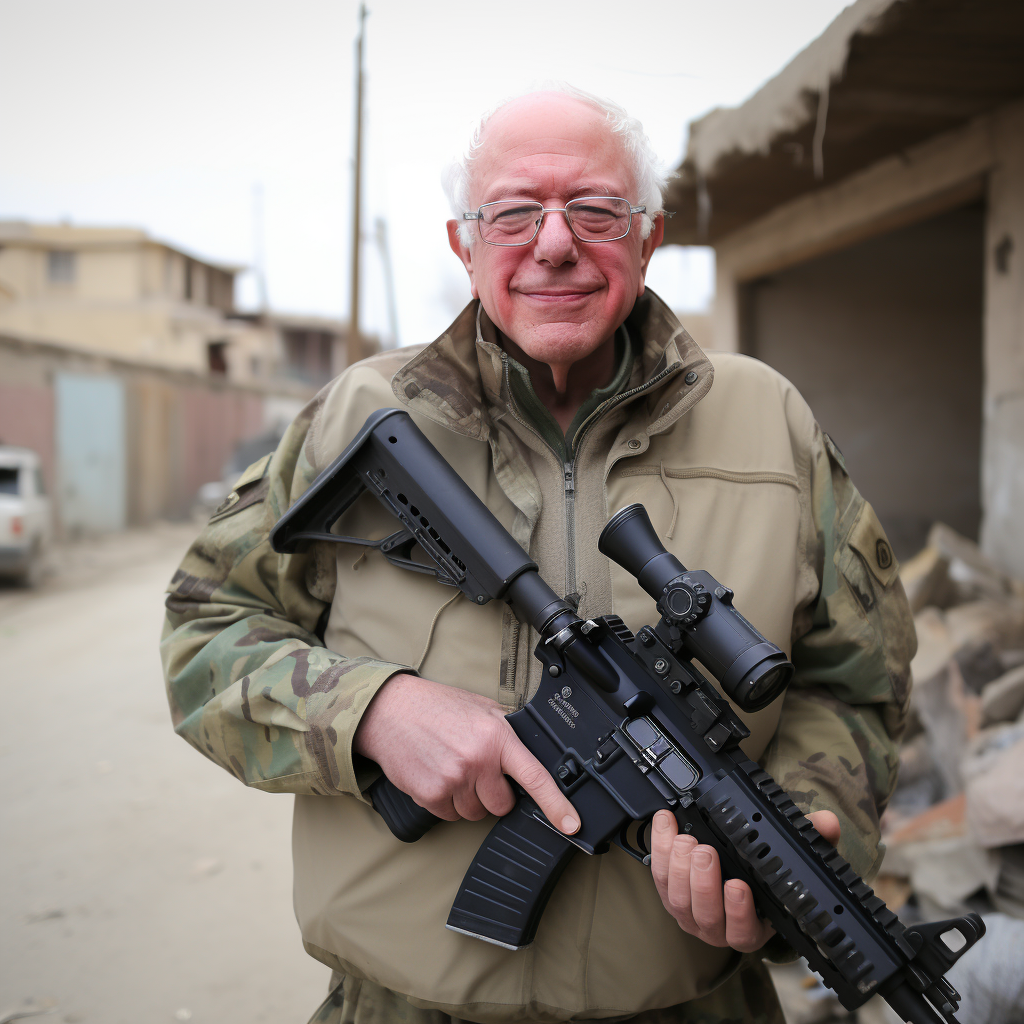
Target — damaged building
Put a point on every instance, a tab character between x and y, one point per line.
866	207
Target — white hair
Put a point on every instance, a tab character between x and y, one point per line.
650	178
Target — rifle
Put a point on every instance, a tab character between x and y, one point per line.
628	725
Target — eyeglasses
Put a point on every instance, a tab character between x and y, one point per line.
591	219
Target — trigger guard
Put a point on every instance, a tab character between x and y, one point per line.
640	852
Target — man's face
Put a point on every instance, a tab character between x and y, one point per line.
557	298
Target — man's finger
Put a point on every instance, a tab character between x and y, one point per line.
664	830
706	903
678	893
827	825
744	930
495	793
522	766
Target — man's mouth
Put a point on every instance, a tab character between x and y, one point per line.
561	294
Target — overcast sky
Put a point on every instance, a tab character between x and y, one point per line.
171	117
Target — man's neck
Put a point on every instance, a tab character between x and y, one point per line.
583	377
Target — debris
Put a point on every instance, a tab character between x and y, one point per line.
1008	896
943	821
1001	623
972	572
183	1014
934	644
979	664
1002	700
949	715
994	777
925	578
989	977
919	783
944	871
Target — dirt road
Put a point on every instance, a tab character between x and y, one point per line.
139	883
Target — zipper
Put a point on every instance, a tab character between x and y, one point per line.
570	472
569	467
570	531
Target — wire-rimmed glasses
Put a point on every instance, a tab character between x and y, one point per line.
591	219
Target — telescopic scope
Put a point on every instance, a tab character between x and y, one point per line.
750	668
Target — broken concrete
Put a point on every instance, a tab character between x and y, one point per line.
998	622
973	574
925	578
1002	700
944	871
993	774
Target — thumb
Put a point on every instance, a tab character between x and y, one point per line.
827	825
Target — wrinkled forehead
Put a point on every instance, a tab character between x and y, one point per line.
549	144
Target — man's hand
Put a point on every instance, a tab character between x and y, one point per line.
450	750
689	881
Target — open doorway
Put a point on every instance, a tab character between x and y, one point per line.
884	340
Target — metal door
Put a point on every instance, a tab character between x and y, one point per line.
91	452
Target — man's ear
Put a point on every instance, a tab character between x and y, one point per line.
463	252
650	243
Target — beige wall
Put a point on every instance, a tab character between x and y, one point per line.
1003	451
984	160
127	299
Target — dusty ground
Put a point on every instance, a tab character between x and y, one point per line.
139	883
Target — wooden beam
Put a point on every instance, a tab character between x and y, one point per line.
940	174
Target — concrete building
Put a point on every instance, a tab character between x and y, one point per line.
866	207
120	292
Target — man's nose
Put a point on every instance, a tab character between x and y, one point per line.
555	243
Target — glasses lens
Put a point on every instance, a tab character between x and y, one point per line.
598	219
509	223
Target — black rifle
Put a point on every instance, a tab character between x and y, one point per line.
627	725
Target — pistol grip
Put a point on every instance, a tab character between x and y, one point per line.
406	819
506	888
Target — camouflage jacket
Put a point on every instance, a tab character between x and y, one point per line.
270	660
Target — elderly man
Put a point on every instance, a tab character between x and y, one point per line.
561	393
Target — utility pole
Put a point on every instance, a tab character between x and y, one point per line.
355	338
259	258
381	227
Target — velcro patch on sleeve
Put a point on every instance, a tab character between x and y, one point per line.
255	472
868	539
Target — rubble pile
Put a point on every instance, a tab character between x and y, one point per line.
954	829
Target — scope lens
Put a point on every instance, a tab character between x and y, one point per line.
764	690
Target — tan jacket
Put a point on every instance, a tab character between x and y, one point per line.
737	478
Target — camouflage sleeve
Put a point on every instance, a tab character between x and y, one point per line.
836	746
249	682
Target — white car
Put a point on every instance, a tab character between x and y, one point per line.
25	519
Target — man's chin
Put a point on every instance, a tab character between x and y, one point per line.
562	342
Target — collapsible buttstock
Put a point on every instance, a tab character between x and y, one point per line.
504	893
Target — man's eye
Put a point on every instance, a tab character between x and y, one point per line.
515	213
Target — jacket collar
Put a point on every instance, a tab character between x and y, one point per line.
453	380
